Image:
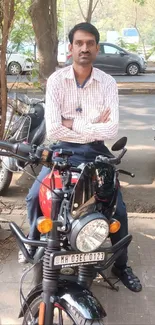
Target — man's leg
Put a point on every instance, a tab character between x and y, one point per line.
121	215
120	268
32	202
33	212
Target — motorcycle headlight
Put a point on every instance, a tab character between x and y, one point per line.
89	232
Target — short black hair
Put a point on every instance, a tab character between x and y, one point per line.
87	27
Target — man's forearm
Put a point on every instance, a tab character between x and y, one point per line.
67	123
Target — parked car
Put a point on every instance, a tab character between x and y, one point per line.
115	60
17	63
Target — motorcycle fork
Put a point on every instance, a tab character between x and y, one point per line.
86	274
50	279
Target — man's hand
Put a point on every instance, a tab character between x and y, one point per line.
67	123
105	117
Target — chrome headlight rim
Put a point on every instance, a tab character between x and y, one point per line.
79	224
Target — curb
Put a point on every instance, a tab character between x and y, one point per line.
136	215
149	71
121	91
133	91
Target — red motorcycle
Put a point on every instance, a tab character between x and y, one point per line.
78	204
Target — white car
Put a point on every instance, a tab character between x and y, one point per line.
17	63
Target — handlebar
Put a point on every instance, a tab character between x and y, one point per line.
44	154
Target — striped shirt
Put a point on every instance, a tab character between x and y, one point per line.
84	105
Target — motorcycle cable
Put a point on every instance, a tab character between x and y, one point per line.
21	290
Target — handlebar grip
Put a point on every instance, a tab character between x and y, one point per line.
23	149
7	146
20	149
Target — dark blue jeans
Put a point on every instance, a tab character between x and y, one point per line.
83	153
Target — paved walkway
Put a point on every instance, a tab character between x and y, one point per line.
123	307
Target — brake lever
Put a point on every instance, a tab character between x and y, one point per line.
125	172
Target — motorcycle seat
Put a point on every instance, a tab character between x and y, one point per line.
37	136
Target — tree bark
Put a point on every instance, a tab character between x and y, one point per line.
7	9
44	20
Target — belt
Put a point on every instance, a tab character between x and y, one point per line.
94	143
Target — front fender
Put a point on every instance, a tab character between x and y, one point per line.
73	297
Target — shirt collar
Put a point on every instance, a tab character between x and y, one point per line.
94	75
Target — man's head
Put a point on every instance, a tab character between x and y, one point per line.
84	39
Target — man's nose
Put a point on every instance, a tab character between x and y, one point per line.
84	47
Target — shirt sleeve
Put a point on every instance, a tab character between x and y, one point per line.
54	128
102	131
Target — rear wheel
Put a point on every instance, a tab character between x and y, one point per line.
5	179
61	316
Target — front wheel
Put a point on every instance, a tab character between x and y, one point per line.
61	316
5	179
133	69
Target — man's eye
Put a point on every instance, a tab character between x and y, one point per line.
79	43
91	43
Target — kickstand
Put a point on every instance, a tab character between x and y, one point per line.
112	285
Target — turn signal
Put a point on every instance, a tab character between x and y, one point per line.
44	225
41	313
114	226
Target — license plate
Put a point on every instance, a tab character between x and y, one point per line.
78	259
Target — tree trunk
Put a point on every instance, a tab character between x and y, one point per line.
89	12
7	14
44	19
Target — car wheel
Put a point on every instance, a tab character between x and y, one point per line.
133	69
14	68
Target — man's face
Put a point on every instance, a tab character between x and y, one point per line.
84	48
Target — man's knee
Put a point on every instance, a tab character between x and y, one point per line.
33	194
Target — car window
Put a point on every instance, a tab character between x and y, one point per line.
101	50
111	50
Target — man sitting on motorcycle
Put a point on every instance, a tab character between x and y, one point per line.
81	113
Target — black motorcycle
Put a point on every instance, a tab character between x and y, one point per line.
75	237
27	126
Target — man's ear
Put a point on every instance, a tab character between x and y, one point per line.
70	47
98	48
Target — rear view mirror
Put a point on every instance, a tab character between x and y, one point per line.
120	144
122	53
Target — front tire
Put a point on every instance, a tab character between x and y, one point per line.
14	68
5	179
133	69
70	316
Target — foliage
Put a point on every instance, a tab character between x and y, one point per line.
140	2
22	31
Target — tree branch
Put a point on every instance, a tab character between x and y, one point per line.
85	18
95	6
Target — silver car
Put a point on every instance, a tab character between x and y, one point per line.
115	60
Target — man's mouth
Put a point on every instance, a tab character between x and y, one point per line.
85	54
